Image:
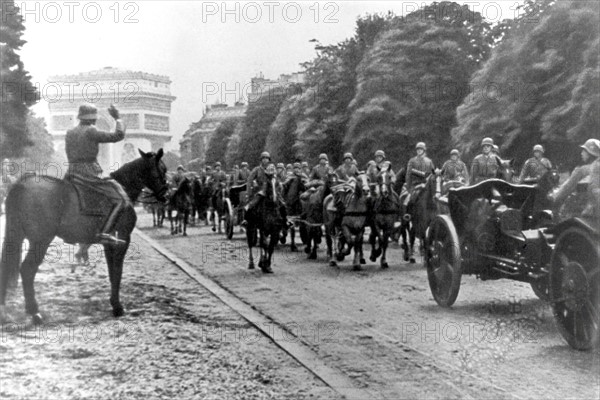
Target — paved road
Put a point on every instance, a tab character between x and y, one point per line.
383	329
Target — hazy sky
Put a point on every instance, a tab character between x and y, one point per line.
199	45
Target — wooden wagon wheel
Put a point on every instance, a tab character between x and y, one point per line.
575	288
443	260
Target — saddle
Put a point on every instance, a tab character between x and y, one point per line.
92	197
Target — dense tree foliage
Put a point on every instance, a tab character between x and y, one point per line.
413	78
217	145
542	85
18	92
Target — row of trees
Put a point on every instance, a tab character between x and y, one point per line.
442	75
22	134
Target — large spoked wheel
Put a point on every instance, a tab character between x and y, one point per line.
443	261
575	288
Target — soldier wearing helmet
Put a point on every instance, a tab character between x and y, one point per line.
455	169
280	172
418	168
82	147
535	167
589	171
243	174
485	165
305	168
320	172
218	180
347	169
256	185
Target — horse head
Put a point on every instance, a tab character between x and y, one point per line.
147	171
384	179
506	169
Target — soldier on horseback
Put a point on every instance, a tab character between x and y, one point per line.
418	168
320	172
256	187
347	170
380	164
243	174
281	172
178	178
82	146
455	169
535	167
485	165
305	168
589	172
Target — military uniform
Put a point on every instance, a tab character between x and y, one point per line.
484	167
455	171
82	147
533	170
593	208
320	172
345	172
417	170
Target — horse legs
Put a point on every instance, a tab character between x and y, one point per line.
313	249
293	239
115	255
358	240
251	239
329	239
33	259
412	236
375	249
185	218
384	244
213	214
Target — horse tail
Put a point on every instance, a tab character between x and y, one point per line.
13	238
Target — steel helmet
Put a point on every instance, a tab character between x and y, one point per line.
323	156
348	155
265	154
244	164
304	164
455	152
592	146
421	145
538	147
297	165
371	162
280	165
487	142
87	112
379	153
289	166
218	164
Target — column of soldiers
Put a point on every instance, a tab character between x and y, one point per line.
484	166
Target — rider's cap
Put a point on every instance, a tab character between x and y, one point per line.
487	142
379	153
348	155
304	163
455	152
265	154
289	166
323	156
280	165
538	147
244	164
87	112
592	146
371	162
218	164
421	145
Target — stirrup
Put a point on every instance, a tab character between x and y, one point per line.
106	238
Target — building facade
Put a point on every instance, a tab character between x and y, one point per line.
143	99
195	140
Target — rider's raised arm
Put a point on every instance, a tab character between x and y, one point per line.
107	137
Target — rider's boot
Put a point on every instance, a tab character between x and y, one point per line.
105	236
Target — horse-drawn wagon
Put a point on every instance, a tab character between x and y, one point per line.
234	210
499	230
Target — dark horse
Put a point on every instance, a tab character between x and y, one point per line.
386	213
219	205
406	230
312	210
41	209
265	220
201	199
292	189
180	202
347	220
